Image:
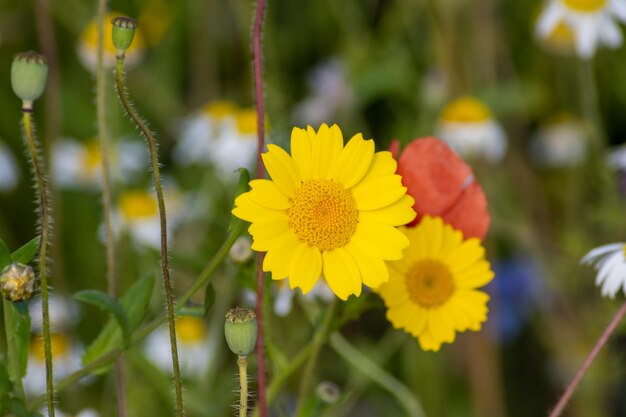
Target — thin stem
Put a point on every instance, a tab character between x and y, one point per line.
165	269
604	337
140	334
242	361
44	219
364	364
318	340
112	280
257	53
588	90
12	356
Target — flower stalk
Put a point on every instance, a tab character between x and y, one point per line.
123	30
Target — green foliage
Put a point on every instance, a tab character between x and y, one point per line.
134	303
5	256
109	304
203	311
26	253
21	335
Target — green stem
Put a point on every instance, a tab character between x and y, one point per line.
15	373
242	362
318	340
44	219
165	269
588	90
140	334
112	279
362	363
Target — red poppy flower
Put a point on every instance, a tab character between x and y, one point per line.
443	185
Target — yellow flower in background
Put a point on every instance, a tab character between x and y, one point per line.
88	45
328	211
432	292
592	22
468	126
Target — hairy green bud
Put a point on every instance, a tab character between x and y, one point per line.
29	73
123	33
17	282
240	329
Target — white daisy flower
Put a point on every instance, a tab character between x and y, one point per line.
193	347
562	142
331	94
88	45
137	213
222	135
593	22
610	262
78	165
66	358
467	125
617	158
9	172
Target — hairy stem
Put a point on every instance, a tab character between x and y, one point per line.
242	361
112	280
604	337
257	53
318	340
44	220
165	269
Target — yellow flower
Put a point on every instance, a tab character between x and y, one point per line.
432	292
328	211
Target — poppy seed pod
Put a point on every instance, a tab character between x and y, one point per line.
123	33
29	73
240	329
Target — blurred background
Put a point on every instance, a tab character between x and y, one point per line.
546	130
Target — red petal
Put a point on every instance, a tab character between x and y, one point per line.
443	185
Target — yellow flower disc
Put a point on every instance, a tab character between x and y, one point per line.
189	329
585	6
432	292
323	214
138	205
465	110
329	210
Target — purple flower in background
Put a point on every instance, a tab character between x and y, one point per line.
516	293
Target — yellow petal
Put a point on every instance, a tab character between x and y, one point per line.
428	342
268	231
382	165
397	214
282	169
326	147
341	273
476	276
306	267
416	321
440	326
399	315
279	258
467	254
354	161
380	240
248	210
301	152
265	193
378	192
374	272
394	291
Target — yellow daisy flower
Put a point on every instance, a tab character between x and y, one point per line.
432	292
328	211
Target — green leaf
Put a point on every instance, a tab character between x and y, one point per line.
5	382
26	253
5	256
199	312
109	304
21	335
135	303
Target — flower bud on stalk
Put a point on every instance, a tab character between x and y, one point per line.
29	73
17	282
240	330
123	34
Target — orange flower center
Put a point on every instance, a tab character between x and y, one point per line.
585	6
323	214
430	283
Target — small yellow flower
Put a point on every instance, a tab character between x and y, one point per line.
432	292
328	211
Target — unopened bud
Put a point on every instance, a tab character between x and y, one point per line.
240	329
17	282
123	33
29	73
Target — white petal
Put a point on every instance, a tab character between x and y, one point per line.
586	37
611	263
592	256
610	33
614	280
619	9
548	20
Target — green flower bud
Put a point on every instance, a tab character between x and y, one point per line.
17	282
29	73
123	33
240	329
